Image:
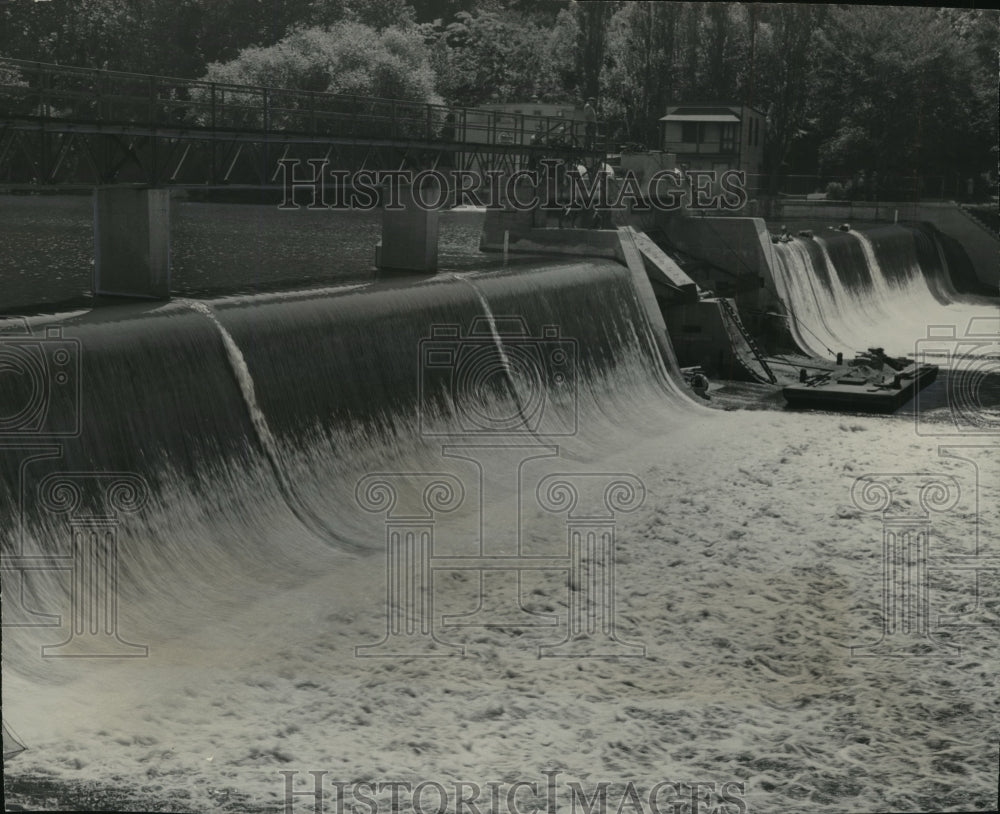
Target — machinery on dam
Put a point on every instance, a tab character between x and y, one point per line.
872	382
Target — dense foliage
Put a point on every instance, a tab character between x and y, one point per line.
894	91
347	57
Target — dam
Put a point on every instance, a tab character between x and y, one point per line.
680	498
354	514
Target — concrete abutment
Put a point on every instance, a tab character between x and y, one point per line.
132	242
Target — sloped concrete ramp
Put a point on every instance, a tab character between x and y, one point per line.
662	270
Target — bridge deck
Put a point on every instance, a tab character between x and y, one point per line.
63	124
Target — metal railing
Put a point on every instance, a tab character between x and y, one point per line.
34	91
923	187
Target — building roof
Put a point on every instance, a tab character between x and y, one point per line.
712	107
700	117
690	109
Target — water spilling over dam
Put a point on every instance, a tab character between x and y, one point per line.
882	287
292	484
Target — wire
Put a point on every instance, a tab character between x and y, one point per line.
801	323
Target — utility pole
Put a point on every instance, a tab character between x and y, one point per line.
752	11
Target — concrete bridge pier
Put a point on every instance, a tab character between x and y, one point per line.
132	242
410	229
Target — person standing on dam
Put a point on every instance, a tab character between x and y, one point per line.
447	133
446	160
590	123
537	140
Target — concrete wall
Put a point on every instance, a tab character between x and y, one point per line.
132	242
631	257
410	235
700	336
741	247
668	279
737	245
409	240
981	245
523	237
618	244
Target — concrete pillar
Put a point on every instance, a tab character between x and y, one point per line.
410	235
132	242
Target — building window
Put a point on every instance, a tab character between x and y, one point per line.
690	132
749	132
727	143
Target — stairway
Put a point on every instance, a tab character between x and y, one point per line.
734	317
989	219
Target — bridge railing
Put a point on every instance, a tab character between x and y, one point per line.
84	96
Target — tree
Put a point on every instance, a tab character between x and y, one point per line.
718	76
978	34
487	56
90	33
592	19
639	75
893	87
782	69
380	14
349	58
177	37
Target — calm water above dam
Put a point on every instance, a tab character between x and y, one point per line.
47	245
